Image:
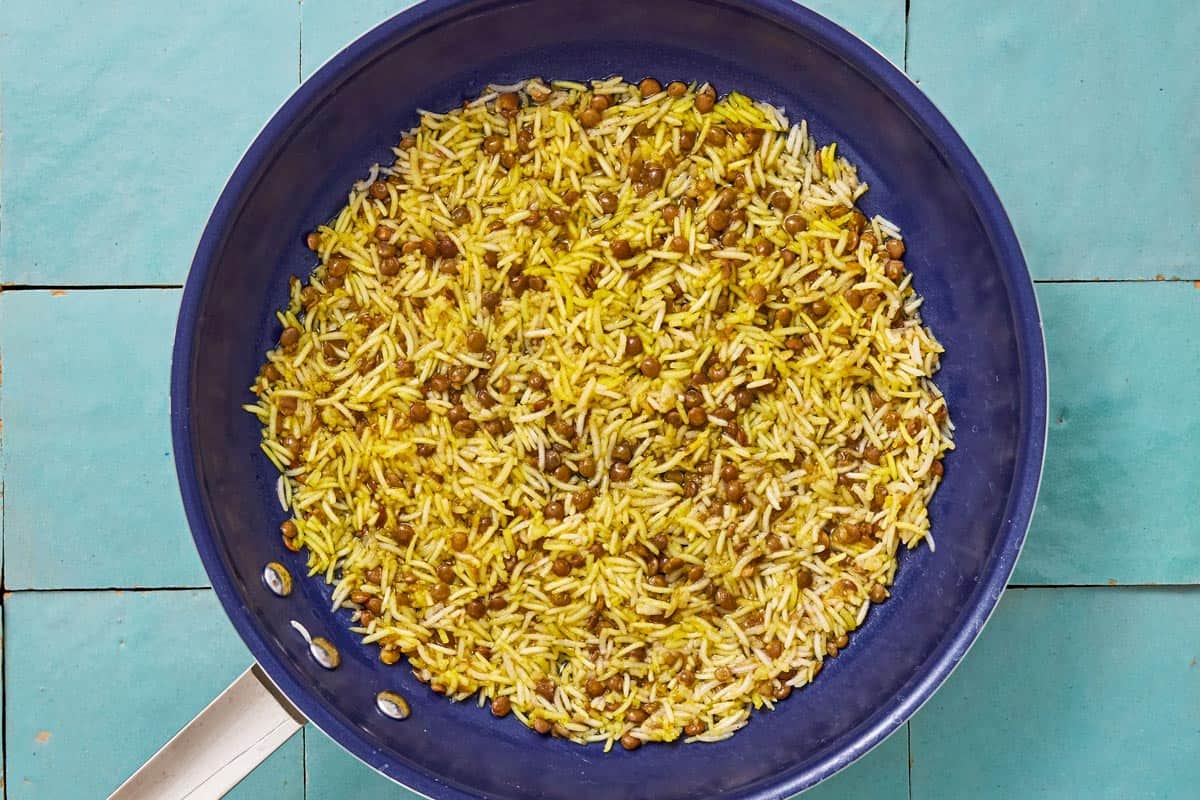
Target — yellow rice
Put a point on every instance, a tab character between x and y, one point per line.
817	532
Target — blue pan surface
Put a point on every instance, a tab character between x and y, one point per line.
964	258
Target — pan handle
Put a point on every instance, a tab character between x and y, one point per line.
233	735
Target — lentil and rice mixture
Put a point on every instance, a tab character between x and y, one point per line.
606	405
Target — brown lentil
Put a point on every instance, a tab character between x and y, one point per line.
649	87
621	249
794	223
507	102
725	600
718	219
583	499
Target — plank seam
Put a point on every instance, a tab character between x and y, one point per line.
83	287
908	734
907	11
299	41
94	589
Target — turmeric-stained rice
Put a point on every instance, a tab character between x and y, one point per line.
607	405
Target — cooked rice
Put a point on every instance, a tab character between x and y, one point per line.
817	531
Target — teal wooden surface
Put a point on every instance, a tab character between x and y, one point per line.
334	774
1081	693
90	492
1121	487
881	774
130	116
1083	113
121	123
97	681
329	25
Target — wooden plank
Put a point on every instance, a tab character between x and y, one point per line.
122	122
881	774
329	25
90	492
1119	493
1084	115
1070	693
97	681
333	774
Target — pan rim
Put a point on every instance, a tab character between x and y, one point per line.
900	90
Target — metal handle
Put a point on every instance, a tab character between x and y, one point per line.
233	735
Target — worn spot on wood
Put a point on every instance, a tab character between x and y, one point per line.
57	292
42	737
